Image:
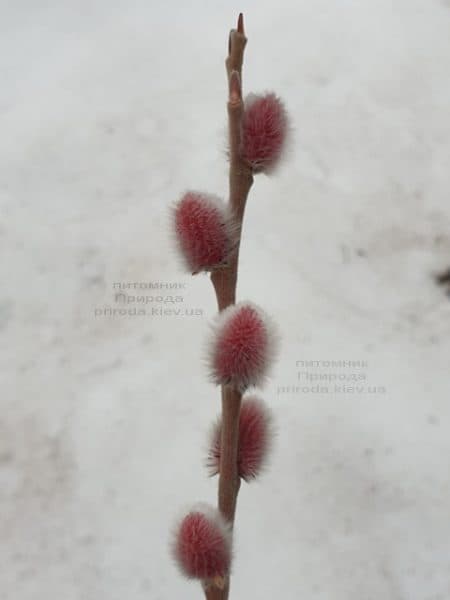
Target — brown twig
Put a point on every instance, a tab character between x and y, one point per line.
444	277
225	281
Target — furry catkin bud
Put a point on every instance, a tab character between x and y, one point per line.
255	439
242	346
202	544
264	131
205	231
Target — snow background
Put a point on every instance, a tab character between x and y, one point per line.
108	110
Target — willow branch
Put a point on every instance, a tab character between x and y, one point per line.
225	282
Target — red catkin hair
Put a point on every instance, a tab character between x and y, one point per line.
202	544
204	230
255	440
264	132
242	346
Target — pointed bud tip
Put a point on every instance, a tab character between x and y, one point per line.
240	24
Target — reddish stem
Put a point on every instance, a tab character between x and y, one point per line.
225	281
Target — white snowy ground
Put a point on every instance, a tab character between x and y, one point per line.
108	110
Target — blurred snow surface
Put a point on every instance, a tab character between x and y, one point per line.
108	110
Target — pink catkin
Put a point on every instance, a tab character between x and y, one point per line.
242	346
255	438
202	545
264	129
204	230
